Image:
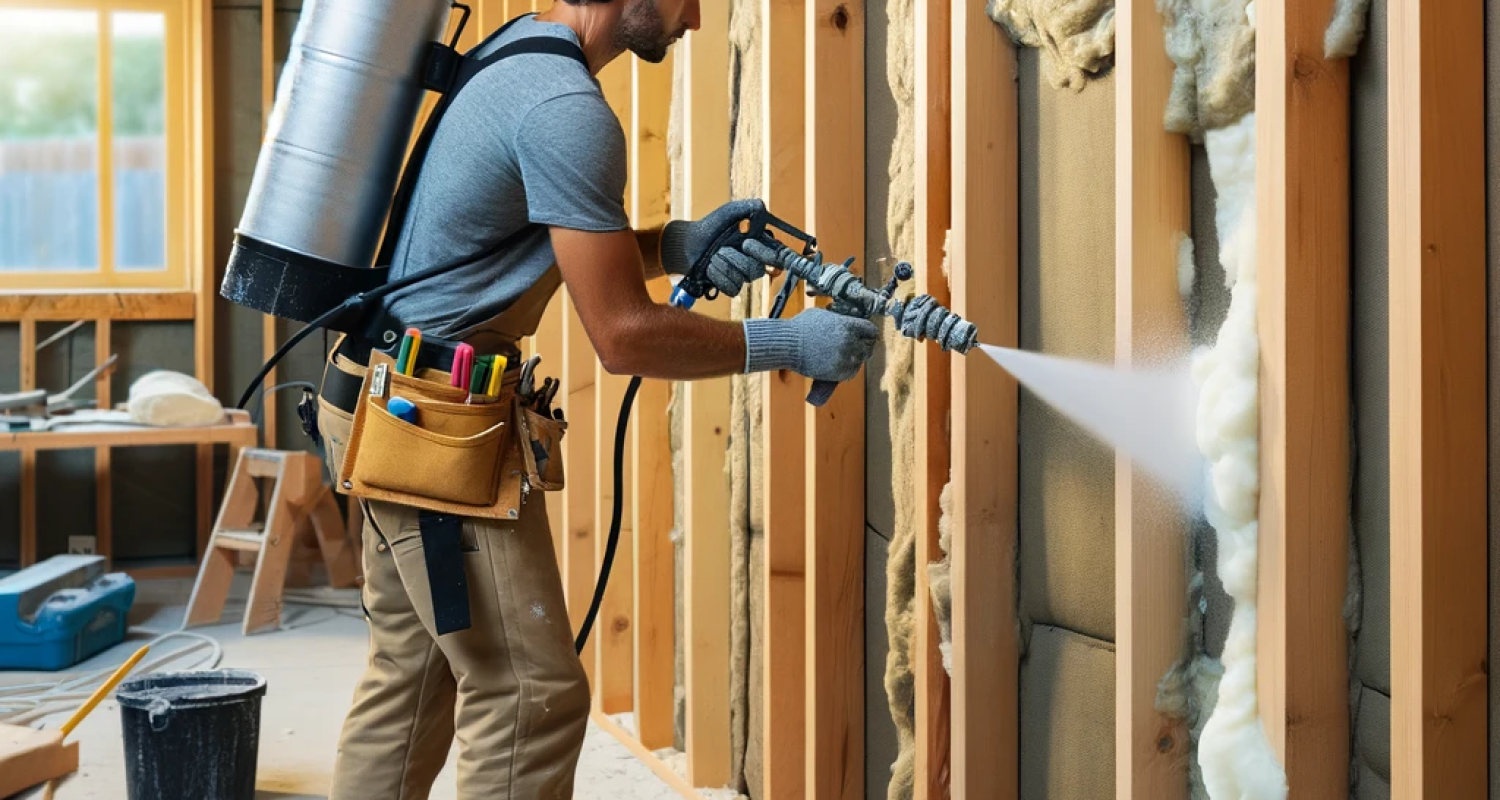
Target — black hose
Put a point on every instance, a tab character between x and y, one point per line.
614	520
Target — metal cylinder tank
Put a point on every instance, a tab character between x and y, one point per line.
345	109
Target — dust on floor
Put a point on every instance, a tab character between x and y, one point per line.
311	667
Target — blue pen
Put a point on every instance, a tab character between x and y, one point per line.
402	409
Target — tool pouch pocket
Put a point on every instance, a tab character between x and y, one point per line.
541	448
456	457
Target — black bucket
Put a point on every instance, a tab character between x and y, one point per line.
191	735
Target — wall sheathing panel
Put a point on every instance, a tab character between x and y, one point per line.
1492	191
1066	558
1369	596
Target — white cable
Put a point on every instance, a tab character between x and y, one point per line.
26	703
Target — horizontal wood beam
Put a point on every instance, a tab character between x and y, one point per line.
67	307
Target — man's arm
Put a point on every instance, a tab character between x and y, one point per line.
633	334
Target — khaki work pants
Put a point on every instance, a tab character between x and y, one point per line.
510	686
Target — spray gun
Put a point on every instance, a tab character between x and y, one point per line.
919	318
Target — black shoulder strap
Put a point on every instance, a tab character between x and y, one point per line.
468	68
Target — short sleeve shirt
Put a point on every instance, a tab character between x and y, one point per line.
530	139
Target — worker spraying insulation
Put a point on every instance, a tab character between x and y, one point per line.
428	414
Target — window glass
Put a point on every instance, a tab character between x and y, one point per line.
139	108
49	165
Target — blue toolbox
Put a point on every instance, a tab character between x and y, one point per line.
62	611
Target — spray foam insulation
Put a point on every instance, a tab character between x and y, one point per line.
1078	36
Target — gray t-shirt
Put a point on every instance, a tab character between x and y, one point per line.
529	139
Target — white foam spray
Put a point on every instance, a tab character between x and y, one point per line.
1237	760
1145	414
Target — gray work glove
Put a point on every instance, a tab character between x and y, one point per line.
817	343
688	246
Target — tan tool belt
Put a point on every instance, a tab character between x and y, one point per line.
476	459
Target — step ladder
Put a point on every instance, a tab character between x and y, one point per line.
298	504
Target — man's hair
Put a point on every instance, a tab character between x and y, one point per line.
583	2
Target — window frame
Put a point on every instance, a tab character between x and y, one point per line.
183	229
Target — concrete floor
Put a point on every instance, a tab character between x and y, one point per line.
311	667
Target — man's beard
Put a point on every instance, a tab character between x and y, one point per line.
641	32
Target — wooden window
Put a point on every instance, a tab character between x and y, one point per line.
95	133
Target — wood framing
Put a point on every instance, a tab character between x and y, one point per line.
705	155
268	339
579	562
103	484
66	307
1152	215
784	567
651	507
931	378
835	440
1439	690
650	190
28	458
984	269
1302	216
614	681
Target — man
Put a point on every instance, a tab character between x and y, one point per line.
529	154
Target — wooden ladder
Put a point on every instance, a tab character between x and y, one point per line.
299	503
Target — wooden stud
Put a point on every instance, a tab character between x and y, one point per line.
66	307
705	154
547	342
615	660
931	376
205	275
615	654
1439	690
651	511
784	695
28	457
650	167
580	565
268	342
651	489
985	280
835	442
103	483
1152	214
1302	211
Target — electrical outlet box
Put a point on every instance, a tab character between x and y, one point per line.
81	545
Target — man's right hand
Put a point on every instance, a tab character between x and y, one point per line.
816	343
712	244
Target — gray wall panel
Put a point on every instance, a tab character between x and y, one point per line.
1067	309
1067	717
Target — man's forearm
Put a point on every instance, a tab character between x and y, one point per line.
671	343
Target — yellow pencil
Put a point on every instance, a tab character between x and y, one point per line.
495	374
100	693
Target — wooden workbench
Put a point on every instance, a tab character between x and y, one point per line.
236	430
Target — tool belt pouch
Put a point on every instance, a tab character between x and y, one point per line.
456	458
541	448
